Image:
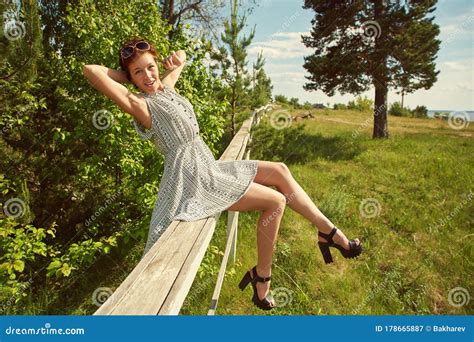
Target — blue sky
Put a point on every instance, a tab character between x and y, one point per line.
279	24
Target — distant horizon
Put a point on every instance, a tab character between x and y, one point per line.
280	24
448	110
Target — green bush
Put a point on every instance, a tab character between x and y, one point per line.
23	248
420	112
361	104
339	106
281	99
397	110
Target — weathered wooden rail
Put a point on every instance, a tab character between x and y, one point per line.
160	282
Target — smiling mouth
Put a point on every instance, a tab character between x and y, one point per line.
150	84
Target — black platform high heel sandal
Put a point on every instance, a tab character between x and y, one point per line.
266	302
353	251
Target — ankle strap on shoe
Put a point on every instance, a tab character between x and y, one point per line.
256	277
329	236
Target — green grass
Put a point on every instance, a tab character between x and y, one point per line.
420	176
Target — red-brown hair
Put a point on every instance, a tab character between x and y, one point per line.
126	62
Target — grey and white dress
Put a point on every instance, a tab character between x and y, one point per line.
194	184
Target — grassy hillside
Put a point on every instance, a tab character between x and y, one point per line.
408	198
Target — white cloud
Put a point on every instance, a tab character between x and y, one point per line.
281	45
453	90
460	22
453	65
460	27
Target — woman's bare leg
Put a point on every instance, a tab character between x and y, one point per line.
272	205
277	174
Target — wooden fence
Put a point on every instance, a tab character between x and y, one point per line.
160	282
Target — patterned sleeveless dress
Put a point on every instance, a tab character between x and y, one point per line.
194	184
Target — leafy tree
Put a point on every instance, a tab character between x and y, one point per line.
384	44
84	188
202	16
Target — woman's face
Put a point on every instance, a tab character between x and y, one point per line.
144	72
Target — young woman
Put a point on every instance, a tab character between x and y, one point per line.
195	185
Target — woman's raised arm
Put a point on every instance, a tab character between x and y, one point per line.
174	64
107	81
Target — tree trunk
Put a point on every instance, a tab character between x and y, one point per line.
380	79
403	95
167	11
233	106
380	112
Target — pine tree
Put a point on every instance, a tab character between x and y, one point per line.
261	84
380	43
232	58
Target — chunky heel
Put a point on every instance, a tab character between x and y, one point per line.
266	302
245	281
353	251
324	248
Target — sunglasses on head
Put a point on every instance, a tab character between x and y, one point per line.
128	51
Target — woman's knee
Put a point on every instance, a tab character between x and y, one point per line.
274	212
283	169
278	200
